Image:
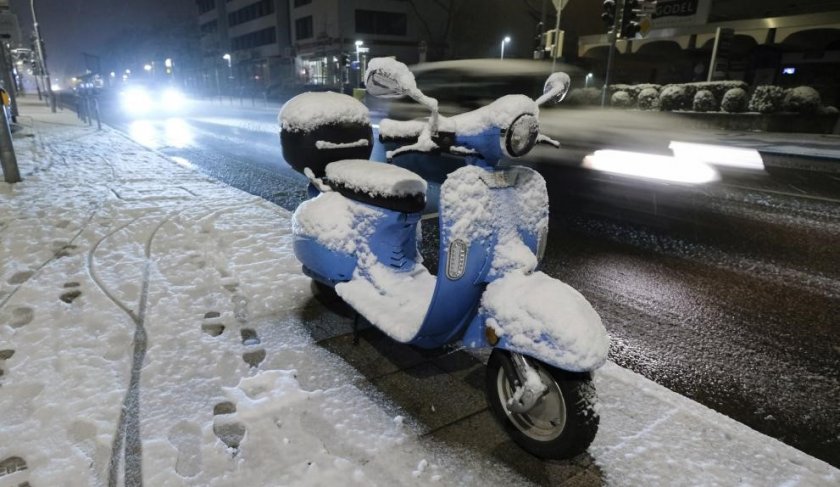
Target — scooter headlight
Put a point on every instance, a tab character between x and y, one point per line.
521	136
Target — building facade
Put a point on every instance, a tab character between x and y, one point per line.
772	42
254	45
245	44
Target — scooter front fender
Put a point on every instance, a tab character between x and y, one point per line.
541	317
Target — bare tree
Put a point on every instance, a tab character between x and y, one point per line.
439	41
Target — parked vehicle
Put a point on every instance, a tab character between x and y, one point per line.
357	236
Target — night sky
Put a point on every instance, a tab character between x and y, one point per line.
71	27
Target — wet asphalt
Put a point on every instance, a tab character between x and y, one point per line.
728	292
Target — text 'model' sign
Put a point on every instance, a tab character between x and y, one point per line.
673	13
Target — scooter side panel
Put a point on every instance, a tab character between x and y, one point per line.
455	300
322	264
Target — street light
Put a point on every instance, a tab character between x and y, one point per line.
587	80
147	68
504	41
359	44
43	58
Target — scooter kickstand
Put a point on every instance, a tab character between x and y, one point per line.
355	328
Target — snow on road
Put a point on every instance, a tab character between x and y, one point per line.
150	332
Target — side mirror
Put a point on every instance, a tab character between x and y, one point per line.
389	78
556	87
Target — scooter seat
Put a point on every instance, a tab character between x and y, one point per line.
378	184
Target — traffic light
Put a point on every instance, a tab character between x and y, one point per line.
630	19
609	14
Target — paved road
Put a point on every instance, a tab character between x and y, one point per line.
727	293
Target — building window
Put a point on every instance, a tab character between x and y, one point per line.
254	39
251	12
209	27
303	28
205	6
300	3
381	23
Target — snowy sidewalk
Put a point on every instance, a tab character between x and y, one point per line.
155	329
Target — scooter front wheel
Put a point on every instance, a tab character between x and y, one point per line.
561	424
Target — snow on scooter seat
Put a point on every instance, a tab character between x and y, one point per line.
547	317
375	178
308	111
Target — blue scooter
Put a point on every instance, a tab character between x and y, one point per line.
358	234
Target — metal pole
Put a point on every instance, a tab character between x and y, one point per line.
557	34
42	54
7	80
713	62
619	9
8	160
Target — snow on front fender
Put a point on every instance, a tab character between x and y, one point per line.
547	319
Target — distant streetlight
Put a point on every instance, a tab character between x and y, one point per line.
587	80
227	58
506	40
147	67
113	74
168	62
359	44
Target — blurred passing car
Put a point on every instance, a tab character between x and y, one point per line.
466	84
141	100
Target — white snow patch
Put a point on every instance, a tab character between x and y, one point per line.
327	145
548	318
376	178
335	221
396	302
308	111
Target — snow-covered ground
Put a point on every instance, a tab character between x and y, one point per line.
150	332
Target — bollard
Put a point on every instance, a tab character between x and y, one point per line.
8	160
96	111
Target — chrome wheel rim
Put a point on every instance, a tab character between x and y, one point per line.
547	419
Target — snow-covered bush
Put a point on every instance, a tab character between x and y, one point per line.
829	110
767	99
704	101
584	96
621	99
734	101
719	88
802	99
676	97
649	99
632	90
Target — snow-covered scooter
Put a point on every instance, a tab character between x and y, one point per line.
358	234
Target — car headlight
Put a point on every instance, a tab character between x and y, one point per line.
521	136
136	100
173	99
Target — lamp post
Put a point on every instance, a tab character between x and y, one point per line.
43	56
359	45
504	41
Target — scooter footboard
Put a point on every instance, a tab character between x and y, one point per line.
544	318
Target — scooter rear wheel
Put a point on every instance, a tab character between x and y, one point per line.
563	422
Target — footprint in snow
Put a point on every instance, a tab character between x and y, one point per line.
5	355
11	468
226	427
65	251
20	277
254	358
21	316
212	324
70	296
186	438
249	337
